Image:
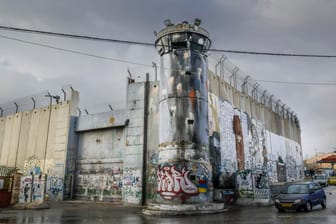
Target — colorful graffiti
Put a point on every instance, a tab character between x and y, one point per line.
32	189
245	184
227	137
25	189
32	166
261	184
132	186
102	183
172	182
55	186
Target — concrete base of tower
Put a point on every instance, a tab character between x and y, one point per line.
190	209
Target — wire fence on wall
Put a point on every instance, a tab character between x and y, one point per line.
231	74
41	99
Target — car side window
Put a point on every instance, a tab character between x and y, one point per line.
317	186
311	187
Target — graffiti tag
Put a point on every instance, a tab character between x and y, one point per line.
171	182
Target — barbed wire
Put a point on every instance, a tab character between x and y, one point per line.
38	100
232	75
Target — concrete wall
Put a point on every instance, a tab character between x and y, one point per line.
36	142
110	150
264	149
112	156
133	166
100	156
249	142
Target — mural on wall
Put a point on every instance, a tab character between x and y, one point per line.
215	158
245	124
227	143
99	183
286	158
55	186
272	171
245	184
261	184
249	153
255	153
32	183
32	189
32	166
132	185
172	182
55	181
25	189
281	170
214	139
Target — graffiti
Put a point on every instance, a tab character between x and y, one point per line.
132	195
213	114
32	166
264	148
202	186
25	189
172	182
272	171
132	185
55	186
131	177
31	188
261	179
261	185
99	186
227	143
38	188
98	182
215	157
154	159
261	193
244	184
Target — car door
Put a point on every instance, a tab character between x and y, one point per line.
316	196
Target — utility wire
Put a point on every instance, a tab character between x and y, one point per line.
75	36
151	44
274	54
299	83
73	51
147	65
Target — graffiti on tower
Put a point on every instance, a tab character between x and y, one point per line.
172	182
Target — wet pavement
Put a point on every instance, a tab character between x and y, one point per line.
88	212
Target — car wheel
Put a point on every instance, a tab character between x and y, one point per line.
324	203
308	206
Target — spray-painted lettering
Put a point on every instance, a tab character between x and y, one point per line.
172	182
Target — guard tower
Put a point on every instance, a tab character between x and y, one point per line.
184	171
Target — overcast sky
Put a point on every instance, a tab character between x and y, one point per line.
286	26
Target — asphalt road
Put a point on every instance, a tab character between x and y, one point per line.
81	212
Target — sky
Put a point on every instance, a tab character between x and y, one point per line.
286	26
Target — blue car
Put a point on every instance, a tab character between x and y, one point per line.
299	196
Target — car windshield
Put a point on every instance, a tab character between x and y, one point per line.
320	177
296	189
